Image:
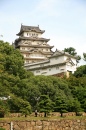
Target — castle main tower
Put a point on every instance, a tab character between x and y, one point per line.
32	45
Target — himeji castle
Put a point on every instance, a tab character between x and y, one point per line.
38	55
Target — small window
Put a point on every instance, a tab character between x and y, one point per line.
57	67
37	71
61	69
27	34
27	55
33	61
27	61
44	43
23	48
49	69
56	58
29	43
42	65
46	49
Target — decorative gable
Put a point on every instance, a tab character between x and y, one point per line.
69	61
35	53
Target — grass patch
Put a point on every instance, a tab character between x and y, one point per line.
29	118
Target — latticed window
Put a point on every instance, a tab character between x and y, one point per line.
23	48
37	71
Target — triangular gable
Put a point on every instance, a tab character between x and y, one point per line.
37	55
69	61
35	50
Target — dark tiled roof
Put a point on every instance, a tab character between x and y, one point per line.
32	38
30	28
36	46
59	53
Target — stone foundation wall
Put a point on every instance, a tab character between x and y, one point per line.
59	124
53	114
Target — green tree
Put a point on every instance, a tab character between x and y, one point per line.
72	51
84	56
17	104
61	105
74	106
45	104
4	108
25	108
11	60
80	72
2	129
77	107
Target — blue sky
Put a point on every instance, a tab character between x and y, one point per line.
64	21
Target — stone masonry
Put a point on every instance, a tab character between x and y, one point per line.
56	124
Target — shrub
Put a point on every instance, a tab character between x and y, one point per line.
2	129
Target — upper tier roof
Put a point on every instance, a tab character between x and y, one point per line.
32	38
30	28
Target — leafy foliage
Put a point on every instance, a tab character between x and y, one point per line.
72	51
4	108
81	71
45	104
2	129
84	55
44	93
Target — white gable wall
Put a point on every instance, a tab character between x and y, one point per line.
50	70
70	67
47	68
58	59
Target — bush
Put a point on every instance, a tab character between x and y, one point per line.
2	129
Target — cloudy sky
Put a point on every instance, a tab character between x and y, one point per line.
64	21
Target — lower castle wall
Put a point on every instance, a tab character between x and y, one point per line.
56	124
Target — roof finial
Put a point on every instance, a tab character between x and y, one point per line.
21	25
56	49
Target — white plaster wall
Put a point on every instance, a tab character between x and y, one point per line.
29	34
37	42
24	55
54	70
65	57
58	59
24	48
37	56
73	59
71	68
52	62
50	71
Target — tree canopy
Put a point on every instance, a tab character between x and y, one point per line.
72	51
84	55
44	93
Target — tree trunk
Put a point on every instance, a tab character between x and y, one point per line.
45	114
61	114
